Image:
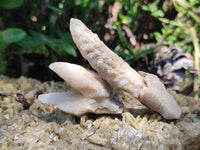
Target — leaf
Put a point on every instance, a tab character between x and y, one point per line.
158	13
158	36
185	85
66	36
125	19
64	47
11	4
124	43
194	16
167	31
118	50
184	4
34	43
171	39
145	7
55	9
70	50
78	2
42	44
53	19
175	23
194	93
153	6
144	52
11	35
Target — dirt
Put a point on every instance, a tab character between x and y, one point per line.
26	123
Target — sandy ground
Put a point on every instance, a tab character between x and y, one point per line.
26	123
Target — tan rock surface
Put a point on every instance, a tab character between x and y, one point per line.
46	127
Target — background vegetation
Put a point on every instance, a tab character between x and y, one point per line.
34	33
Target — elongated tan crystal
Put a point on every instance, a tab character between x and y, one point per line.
109	65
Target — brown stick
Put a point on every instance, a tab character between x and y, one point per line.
197	57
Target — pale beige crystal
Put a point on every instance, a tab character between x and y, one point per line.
157	98
74	103
87	82
90	92
147	88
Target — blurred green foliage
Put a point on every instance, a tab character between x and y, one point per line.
41	27
10	4
176	30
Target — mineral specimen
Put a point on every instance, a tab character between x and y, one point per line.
90	94
145	87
